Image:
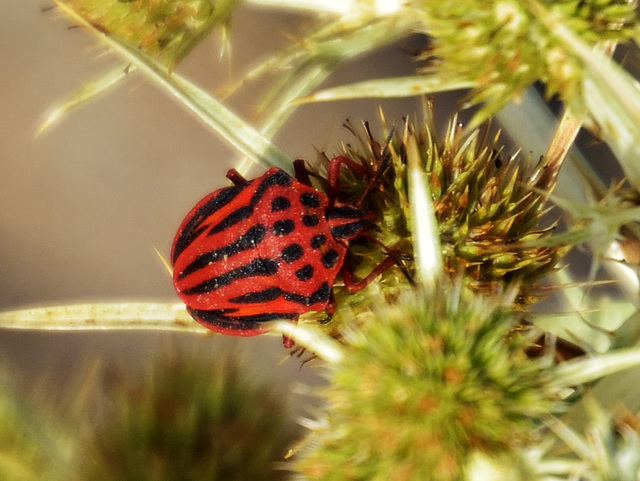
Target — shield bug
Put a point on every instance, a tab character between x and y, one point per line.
267	248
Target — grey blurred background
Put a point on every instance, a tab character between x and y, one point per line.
82	206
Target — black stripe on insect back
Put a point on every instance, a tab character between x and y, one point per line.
347	231
272	293
258	297
279	177
257	267
321	294
238	215
345	212
347	228
254	236
193	228
224	318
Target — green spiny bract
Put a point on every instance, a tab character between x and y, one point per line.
487	209
609	448
33	443
164	29
191	418
504	46
434	379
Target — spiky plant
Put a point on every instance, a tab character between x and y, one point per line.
32	444
607	449
513	38
488	208
427	381
191	418
433	380
166	30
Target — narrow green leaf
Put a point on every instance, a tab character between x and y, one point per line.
585	317
426	237
392	87
212	112
88	92
585	370
103	316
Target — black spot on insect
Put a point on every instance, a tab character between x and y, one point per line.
279	204
291	253
305	273
329	258
309	200
323	293
310	220
283	227
318	241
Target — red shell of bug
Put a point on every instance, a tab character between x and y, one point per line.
265	249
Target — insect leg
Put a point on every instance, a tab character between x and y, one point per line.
234	176
392	259
354	286
301	172
334	175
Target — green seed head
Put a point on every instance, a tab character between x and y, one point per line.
191	418
488	209
164	29
431	381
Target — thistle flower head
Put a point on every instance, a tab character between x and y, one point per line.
188	419
432	380
32	443
504	46
488	209
164	29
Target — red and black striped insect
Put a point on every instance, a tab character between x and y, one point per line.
267	248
